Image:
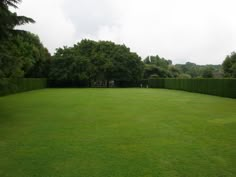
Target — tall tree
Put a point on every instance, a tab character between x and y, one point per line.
102	61
9	20
21	52
26	54
229	65
208	72
159	67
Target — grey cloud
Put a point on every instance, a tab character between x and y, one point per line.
88	16
181	30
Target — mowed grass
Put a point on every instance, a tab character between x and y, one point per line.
117	133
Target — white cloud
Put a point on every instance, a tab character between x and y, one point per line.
200	31
52	26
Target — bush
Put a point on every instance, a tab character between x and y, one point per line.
218	87
9	86
184	76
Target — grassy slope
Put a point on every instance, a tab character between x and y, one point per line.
117	133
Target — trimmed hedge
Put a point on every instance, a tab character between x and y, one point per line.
218	87
126	84
9	86
86	84
67	84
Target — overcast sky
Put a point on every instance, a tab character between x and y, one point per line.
200	31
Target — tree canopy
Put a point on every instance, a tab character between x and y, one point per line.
9	20
23	55
94	61
229	65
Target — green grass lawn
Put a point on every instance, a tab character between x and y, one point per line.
117	133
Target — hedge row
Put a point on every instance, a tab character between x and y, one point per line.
86	84
9	86
218	87
128	84
67	84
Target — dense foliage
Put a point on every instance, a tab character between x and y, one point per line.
21	53
9	20
229	65
200	71
156	67
96	61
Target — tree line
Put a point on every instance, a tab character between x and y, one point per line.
23	55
